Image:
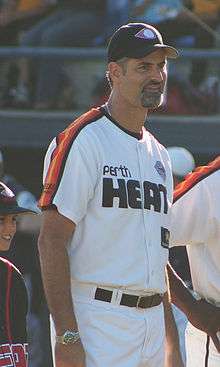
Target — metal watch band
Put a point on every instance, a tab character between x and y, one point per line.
69	337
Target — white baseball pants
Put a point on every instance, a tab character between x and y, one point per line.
197	353
120	336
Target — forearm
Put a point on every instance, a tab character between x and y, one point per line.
56	232
172	348
56	279
170	324
179	293
202	314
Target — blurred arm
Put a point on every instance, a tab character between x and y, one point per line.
202	314
172	347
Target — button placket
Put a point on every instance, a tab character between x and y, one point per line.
146	218
146	229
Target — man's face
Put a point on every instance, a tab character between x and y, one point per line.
142	81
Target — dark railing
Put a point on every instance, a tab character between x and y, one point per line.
35	129
79	53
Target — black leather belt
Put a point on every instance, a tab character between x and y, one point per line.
129	300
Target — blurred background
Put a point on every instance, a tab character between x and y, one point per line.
52	68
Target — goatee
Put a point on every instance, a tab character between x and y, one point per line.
151	100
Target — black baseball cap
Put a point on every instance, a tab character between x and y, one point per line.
8	202
137	40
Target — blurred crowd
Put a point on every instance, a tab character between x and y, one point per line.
45	84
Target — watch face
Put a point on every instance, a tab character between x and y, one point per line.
70	337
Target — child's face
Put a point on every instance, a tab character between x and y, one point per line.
7	230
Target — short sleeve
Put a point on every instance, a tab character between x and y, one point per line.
74	184
191	216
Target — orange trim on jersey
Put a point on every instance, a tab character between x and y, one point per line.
60	153
193	178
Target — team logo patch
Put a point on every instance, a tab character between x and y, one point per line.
160	169
146	33
165	237
6	194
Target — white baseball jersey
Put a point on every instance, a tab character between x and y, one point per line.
117	188
195	222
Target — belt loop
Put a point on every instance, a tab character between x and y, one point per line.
114	299
118	295
138	301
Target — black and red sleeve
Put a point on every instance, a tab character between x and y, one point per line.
13	304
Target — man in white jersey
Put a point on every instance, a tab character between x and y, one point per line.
106	202
196	222
182	163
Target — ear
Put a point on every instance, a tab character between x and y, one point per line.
115	70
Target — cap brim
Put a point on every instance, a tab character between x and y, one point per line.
170	51
16	210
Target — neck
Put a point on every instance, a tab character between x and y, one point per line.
126	115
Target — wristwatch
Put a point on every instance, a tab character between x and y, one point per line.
69	337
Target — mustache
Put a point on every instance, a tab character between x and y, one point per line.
153	84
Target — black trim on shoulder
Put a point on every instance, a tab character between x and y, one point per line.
68	150
195	182
131	133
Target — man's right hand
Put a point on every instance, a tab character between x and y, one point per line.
206	317
70	355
